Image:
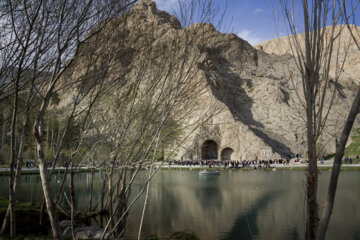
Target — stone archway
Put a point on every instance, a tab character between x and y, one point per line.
226	153
209	150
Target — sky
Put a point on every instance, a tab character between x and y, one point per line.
252	20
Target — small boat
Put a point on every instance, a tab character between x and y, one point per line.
205	172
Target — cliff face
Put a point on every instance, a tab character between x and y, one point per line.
343	44
258	113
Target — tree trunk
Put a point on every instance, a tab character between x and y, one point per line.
110	195
146	199
120	196
340	148
110	191
47	195
72	199
19	163
50	206
91	187
6	221
102	201
312	216
42	211
12	162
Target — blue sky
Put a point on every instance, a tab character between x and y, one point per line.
252	20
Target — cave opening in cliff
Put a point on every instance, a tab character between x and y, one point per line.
226	153
209	150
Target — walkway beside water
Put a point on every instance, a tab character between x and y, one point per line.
325	164
35	170
165	165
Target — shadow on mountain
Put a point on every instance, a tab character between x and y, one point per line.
227	87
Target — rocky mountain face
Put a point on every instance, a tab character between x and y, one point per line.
344	43
246	95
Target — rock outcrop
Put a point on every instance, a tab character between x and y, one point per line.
258	113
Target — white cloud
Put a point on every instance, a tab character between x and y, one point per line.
250	36
258	10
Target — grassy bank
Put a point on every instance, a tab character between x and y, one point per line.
354	148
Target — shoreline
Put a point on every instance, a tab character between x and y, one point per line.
273	167
165	166
33	170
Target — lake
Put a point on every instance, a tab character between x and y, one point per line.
235	205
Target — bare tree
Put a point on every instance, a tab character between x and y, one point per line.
340	146
46	35
151	95
22	41
314	50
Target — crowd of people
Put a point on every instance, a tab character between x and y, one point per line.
251	163
230	163
226	163
29	164
349	160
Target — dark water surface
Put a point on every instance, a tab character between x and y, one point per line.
234	205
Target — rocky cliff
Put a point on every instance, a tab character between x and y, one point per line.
258	113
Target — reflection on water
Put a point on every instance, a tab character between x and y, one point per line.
234	205
244	226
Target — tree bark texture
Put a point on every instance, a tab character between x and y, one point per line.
111	191
312	216
12	162
50	206
340	148
91	188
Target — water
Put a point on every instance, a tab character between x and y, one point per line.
234	205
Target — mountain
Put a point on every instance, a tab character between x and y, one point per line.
343	43
250	92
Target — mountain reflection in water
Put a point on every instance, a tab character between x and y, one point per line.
235	205
244	205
